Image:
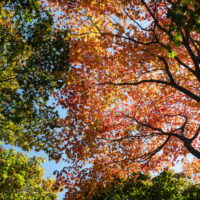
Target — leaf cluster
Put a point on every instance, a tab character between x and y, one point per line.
183	14
167	186
33	65
21	178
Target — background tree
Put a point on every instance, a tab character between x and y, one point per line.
167	186
21	178
133	90
33	64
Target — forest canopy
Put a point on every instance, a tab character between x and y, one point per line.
131	93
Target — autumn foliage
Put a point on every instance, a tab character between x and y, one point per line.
132	93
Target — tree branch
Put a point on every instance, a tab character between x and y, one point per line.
136	83
167	69
129	38
186	141
186	66
196	134
154	17
149	155
144	29
174	85
191	53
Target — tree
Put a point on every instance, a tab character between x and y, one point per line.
133	90
33	65
22	178
167	186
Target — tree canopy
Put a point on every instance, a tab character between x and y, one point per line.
166	186
33	64
21	178
132	94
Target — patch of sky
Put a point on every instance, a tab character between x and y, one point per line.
61	111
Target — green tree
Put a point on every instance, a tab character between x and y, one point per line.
33	65
166	186
21	178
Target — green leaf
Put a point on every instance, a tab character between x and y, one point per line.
172	54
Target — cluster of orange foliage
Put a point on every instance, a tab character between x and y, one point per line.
132	94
